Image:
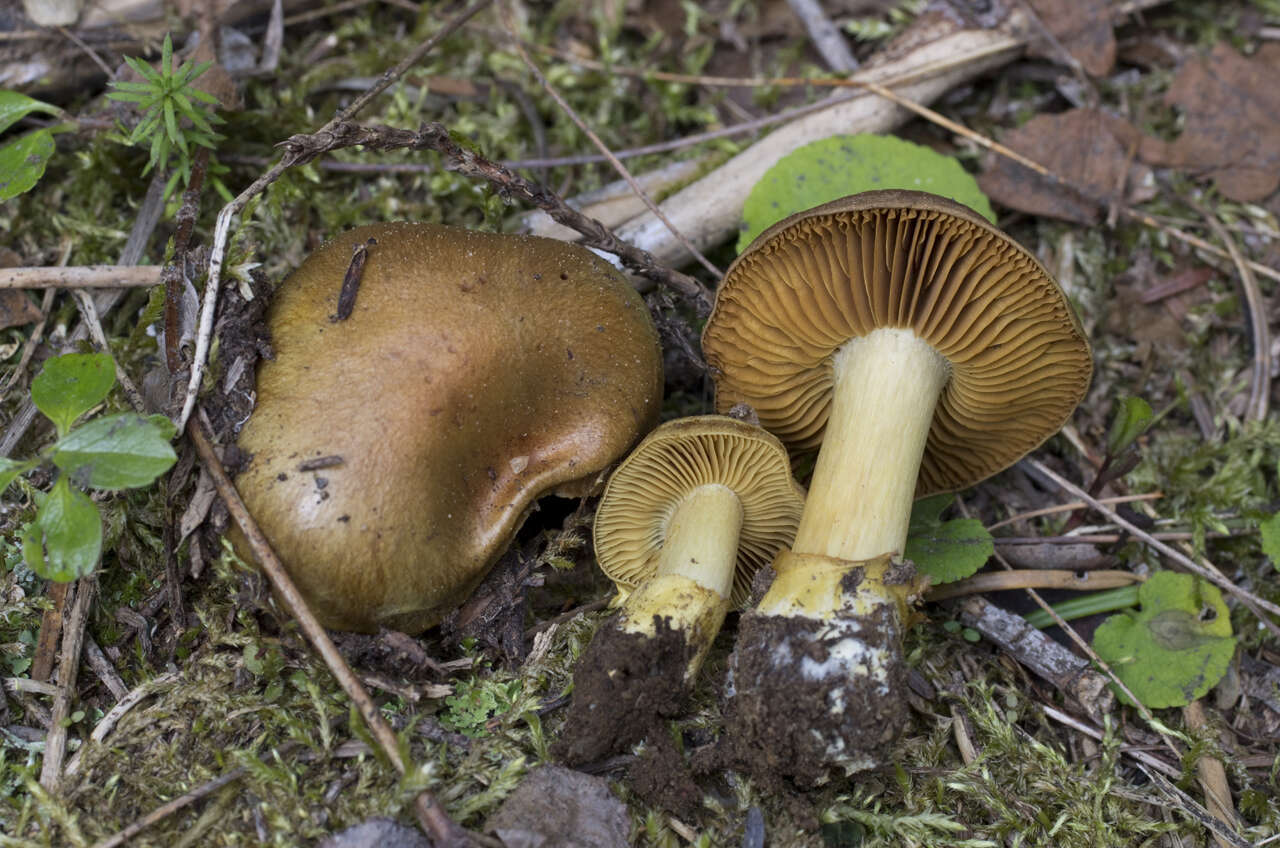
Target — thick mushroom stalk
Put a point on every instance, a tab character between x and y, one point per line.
683	526
922	351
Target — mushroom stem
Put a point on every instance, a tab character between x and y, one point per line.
834	612
690	590
702	537
859	505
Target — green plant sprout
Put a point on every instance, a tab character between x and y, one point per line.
113	452
831	168
1176	648
945	551
1094	603
23	159
168	101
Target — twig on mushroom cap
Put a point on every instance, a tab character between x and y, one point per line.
434	820
222	228
300	149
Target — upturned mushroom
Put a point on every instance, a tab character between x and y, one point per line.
685	522
397	450
923	350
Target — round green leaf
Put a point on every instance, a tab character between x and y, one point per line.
65	540
22	162
945	551
115	452
1176	648
841	165
69	386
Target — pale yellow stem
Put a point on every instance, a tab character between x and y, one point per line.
702	537
695	572
887	384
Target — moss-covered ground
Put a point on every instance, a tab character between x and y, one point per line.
235	685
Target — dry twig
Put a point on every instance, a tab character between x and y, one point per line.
55	744
1030	578
81	277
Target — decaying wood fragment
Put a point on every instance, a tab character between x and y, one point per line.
1068	673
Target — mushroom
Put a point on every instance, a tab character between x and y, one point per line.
685	522
923	350
397	451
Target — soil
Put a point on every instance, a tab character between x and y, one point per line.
781	720
661	779
623	685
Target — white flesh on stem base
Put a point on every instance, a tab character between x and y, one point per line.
887	384
695	571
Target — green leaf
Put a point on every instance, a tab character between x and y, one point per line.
15	106
945	550
1132	420
10	469
65	540
69	386
122	451
1176	648
834	167
22	162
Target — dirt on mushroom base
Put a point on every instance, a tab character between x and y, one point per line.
781	719
623	685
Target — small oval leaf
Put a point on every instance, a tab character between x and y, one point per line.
116	452
65	540
69	386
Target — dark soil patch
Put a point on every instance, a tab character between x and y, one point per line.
623	685
661	779
796	711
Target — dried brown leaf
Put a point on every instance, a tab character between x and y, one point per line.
1232	133
1079	146
1082	28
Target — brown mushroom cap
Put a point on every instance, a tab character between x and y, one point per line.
672	461
476	373
1018	357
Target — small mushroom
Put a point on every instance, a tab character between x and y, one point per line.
685	522
924	350
475	373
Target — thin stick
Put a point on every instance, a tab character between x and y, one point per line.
1207	570
1089	652
1260	375
433	818
162	812
1032	578
1071	506
1193	808
828	40
1091	731
602	147
55	743
81	277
